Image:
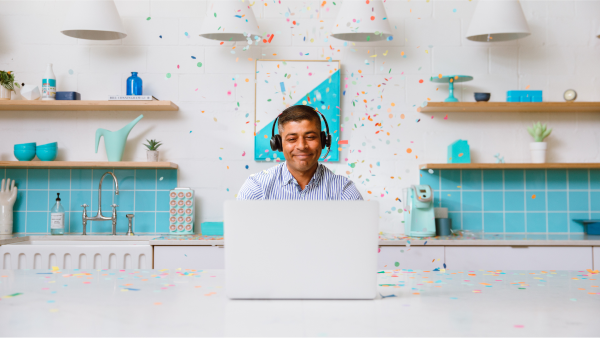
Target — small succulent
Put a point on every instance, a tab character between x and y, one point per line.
7	80
153	144
539	132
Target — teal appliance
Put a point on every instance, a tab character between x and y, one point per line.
419	219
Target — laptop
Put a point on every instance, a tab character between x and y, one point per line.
278	249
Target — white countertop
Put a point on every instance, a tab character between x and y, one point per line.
193	303
526	239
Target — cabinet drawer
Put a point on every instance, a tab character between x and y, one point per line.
418	257
189	257
518	258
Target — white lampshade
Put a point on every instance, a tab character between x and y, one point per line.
94	20
360	20
229	20
498	20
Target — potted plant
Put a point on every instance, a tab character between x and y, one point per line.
7	84
152	153
538	147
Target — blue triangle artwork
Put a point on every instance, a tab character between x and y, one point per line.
326	99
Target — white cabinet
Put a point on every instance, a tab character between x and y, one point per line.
518	258
596	252
413	257
189	257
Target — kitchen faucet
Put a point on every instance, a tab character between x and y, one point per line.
99	216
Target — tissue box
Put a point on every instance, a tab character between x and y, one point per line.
211	228
68	96
524	96
181	211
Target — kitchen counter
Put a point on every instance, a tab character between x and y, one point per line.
467	239
89	302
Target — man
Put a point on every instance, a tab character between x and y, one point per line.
300	177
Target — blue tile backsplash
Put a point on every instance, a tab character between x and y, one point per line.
142	192
517	201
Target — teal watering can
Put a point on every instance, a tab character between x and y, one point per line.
114	141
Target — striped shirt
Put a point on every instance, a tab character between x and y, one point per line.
277	183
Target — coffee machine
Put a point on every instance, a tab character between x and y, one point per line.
419	219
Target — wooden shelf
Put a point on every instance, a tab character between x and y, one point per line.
510	107
500	166
87	165
76	105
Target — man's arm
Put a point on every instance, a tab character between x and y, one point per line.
250	190
350	193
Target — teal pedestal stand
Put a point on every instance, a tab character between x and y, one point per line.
450	80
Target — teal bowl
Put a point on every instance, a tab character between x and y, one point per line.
25	145
48	145
24	154
47	154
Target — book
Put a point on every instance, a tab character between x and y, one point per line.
131	98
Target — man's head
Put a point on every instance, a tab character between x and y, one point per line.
300	130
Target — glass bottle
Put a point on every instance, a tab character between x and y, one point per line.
134	84
57	218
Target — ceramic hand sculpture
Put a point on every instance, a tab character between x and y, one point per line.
8	196
114	141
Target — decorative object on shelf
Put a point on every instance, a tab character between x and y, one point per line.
570	95
524	96
49	85
450	80
132	98
538	147
498	158
30	92
211	228
181	211
94	20
482	97
8	196
47	152
419	220
68	96
230	20
134	84
114	141
495	21
152	153
25	151
57	217
362	21
7	84
592	226
459	152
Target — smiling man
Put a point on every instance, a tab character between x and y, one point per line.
300	177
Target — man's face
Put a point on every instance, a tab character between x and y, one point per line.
301	144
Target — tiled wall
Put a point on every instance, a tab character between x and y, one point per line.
142	192
517	201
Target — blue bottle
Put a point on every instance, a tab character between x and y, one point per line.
134	84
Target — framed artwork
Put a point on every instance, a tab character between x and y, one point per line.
283	83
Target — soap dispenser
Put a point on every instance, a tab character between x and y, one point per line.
57	218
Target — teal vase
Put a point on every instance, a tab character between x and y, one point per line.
114	141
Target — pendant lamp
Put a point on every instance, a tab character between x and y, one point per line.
229	20
498	20
94	20
364	20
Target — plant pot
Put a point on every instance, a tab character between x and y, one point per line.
152	155
538	152
4	93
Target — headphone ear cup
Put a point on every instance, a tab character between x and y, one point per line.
276	143
323	140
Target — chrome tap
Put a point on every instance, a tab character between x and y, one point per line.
99	216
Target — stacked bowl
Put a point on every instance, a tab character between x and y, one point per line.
47	152
25	151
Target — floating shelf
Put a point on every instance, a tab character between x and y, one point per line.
509	166
77	105
87	165
511	107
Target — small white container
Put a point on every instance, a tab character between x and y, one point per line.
538	152
4	93
152	155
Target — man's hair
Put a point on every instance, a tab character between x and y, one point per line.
298	113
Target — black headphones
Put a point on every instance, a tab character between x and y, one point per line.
277	145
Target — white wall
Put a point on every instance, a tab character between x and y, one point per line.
562	52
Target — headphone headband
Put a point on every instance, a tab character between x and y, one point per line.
328	135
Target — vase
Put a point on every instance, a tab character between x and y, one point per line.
152	155
114	141
4	93
134	84
538	152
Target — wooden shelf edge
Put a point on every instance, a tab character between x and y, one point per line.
87	165
78	105
509	107
500	166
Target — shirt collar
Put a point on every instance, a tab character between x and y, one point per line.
289	178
